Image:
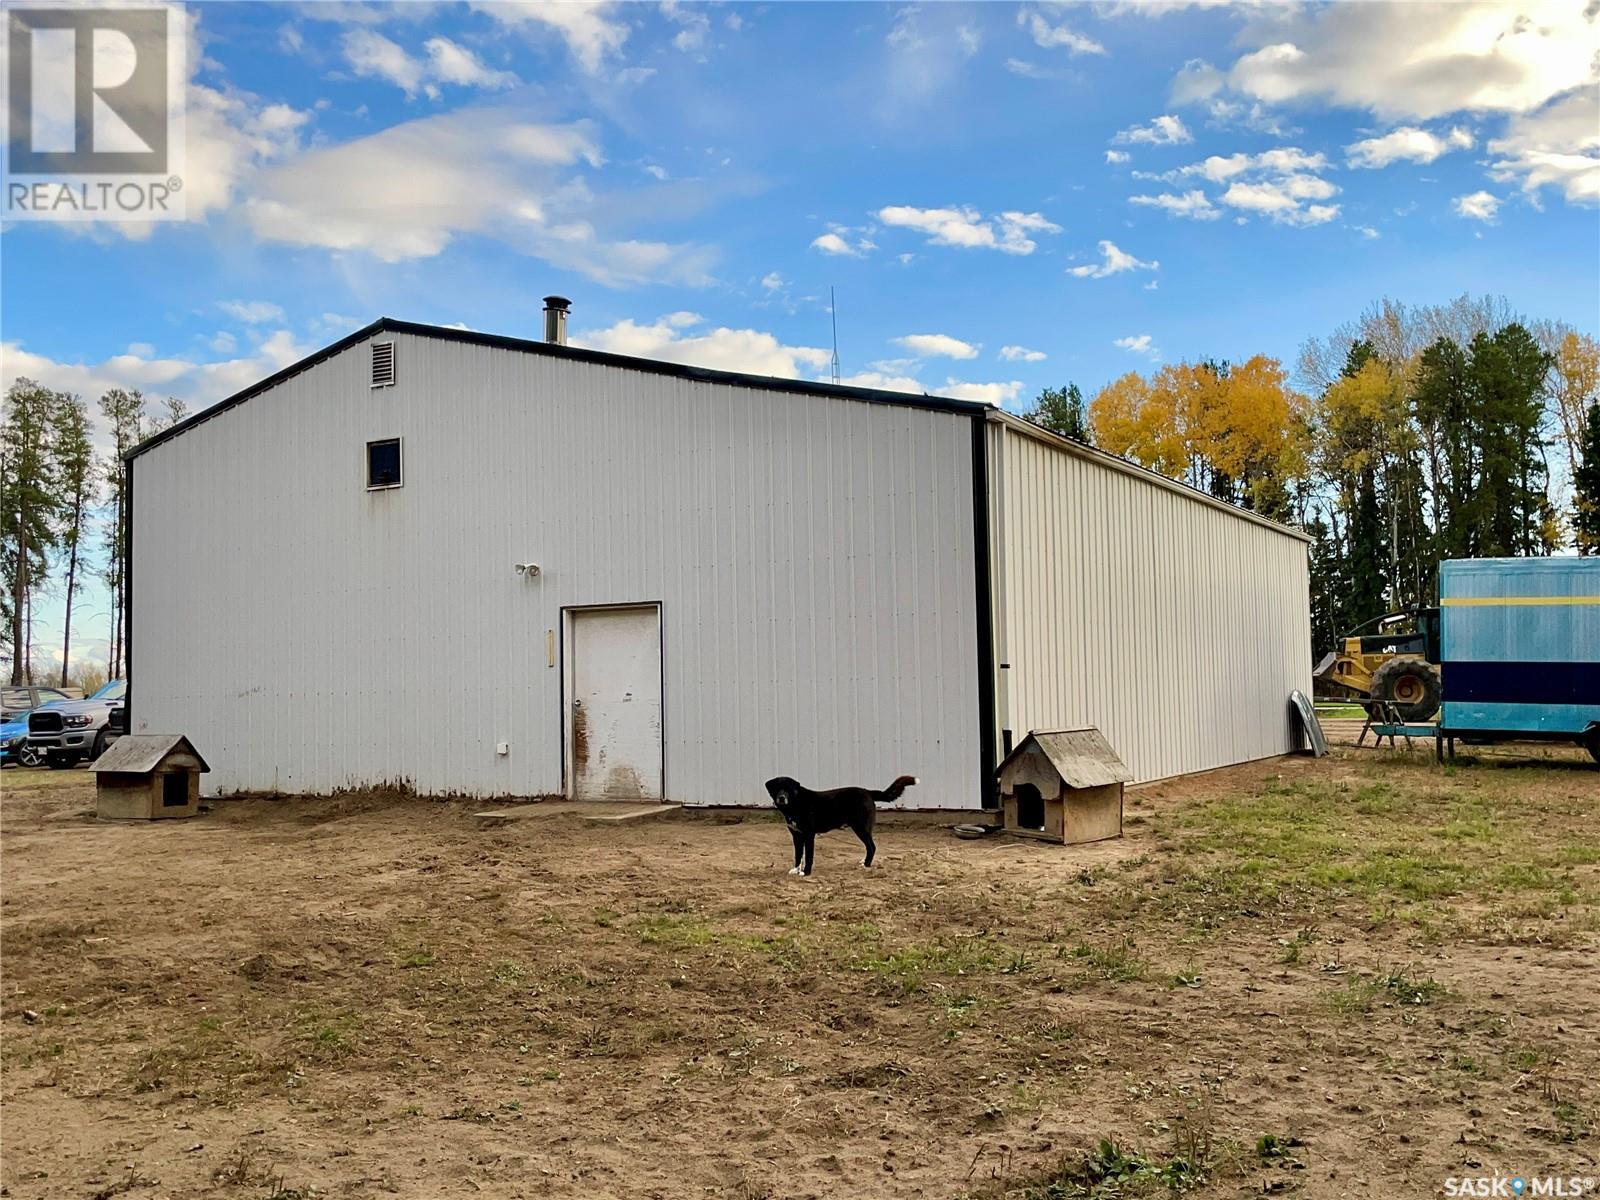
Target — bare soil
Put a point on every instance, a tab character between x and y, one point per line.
1318	978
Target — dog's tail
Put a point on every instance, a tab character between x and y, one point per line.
895	790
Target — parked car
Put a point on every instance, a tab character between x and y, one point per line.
68	731
14	746
18	700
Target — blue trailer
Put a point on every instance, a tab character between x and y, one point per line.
1519	642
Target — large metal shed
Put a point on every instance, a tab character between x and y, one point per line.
472	564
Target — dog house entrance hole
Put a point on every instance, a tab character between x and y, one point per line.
1030	807
174	789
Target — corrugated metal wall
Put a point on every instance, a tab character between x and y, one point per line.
813	558
1176	627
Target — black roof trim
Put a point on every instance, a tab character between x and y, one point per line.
601	358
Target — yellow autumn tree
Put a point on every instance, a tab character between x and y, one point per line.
1255	432
1240	433
1574	384
1114	415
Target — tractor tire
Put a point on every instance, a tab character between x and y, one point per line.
1412	685
1591	742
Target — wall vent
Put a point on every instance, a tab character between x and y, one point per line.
382	364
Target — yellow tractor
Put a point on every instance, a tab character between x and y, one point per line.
1397	661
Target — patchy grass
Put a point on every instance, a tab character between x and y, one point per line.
1410	853
1279	973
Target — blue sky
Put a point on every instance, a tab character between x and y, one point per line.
1004	197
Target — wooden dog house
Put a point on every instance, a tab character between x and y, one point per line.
148	777
1063	785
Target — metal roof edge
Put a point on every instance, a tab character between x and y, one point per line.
575	353
1102	458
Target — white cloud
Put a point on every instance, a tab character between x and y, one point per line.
1533	61
1280	200
1112	262
1255	118
1050	37
966	227
1218	168
669	338
197	383
927	47
1407	143
1192	204
334	324
1479	206
837	243
678	338
252	312
588	27
1558	146
1414	60
772	281
231	136
1117	156
450	63
886	381
1165	130
409	190
655	171
1030	70
696	25
1021	354
371	54
997	394
936	345
1368	232
1275	183
1139	344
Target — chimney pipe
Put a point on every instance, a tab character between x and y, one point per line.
555	319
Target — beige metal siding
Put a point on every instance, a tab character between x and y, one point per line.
1174	626
813	558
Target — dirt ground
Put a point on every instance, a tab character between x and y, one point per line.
1318	978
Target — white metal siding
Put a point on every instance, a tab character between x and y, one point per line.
813	558
1174	626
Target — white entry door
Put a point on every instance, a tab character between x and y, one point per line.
614	716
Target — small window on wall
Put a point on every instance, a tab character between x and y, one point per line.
383	464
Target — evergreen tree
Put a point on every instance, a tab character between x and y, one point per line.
1441	400
1061	410
1328	618
1367	567
29	505
1586	487
80	487
1508	504
124	412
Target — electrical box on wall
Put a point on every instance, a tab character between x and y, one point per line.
502	749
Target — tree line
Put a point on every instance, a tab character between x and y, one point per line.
1408	436
63	513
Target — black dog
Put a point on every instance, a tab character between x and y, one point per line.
808	813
